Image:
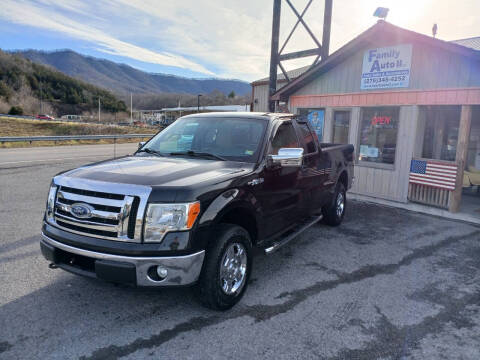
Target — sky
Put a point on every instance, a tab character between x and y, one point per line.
210	38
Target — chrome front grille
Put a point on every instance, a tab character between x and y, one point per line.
111	215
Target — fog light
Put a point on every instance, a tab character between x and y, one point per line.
162	272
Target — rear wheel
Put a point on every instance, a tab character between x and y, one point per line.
227	267
334	212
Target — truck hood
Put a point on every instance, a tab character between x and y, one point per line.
166	175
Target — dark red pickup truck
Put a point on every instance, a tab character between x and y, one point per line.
188	207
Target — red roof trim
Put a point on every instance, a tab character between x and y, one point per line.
455	96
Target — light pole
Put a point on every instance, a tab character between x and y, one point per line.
41	98
99	110
131	109
198	102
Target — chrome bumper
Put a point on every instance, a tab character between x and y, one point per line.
182	270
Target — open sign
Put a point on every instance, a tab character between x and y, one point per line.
381	120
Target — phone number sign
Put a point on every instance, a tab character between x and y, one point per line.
387	67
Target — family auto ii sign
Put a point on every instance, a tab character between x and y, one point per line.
387	67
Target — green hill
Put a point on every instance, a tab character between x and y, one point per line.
23	83
123	79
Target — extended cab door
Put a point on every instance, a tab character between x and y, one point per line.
315	172
280	193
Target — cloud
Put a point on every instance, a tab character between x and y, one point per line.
224	38
30	15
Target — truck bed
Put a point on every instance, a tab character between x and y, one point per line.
332	146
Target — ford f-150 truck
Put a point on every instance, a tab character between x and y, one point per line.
190	205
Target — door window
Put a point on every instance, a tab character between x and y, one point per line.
285	137
307	137
341	125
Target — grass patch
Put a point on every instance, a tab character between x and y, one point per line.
26	127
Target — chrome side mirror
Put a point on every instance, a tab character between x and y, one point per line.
140	144
287	157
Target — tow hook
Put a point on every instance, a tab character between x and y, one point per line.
52	266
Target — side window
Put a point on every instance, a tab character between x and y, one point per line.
307	137
285	137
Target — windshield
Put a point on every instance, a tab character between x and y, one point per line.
236	139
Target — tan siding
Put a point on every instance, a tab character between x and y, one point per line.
431	68
328	126
260	98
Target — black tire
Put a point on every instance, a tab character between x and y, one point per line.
209	288
332	215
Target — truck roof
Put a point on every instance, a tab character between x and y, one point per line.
242	114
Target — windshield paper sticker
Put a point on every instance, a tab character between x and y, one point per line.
387	67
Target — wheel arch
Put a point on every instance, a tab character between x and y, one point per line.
241	216
343	178
233	207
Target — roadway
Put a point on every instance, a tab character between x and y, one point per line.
20	157
386	284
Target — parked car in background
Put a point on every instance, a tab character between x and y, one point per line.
45	117
139	124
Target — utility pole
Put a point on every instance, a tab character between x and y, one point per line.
198	103
99	110
274	53
41	98
131	109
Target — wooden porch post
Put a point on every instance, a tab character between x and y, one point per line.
461	156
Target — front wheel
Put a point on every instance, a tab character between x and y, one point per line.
227	268
334	212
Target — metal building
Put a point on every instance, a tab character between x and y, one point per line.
409	103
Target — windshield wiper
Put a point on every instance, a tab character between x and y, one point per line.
150	151
199	153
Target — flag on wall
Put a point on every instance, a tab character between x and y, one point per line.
435	174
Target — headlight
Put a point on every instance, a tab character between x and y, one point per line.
52	193
162	218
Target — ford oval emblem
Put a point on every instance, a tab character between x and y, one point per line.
81	210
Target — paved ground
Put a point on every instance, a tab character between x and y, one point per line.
62	154
387	284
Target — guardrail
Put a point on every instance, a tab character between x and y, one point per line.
18	116
30	139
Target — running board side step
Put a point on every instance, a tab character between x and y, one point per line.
293	234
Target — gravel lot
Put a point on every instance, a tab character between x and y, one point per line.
386	284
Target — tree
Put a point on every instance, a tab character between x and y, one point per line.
16	110
231	95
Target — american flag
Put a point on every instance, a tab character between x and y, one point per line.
431	173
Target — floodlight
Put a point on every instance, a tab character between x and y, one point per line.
381	12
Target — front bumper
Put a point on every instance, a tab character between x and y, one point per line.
181	270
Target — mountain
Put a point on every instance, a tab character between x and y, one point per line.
122	78
24	83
